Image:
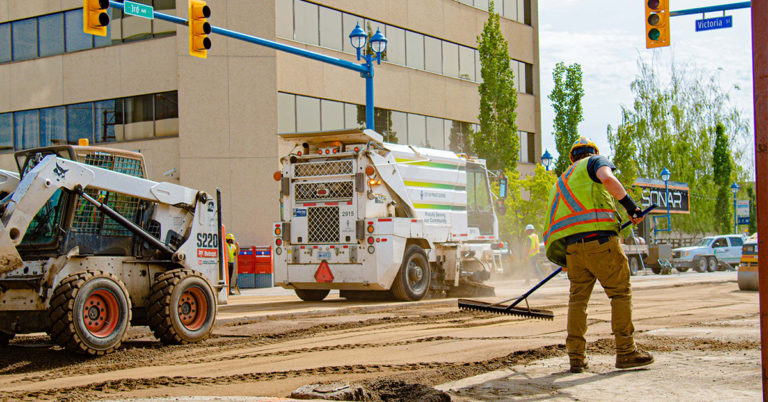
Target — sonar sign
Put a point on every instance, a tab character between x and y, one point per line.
655	193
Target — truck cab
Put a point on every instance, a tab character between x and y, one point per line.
708	253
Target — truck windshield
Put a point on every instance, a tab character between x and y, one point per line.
478	198
704	242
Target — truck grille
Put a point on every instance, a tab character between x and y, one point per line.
323	224
335	190
325	168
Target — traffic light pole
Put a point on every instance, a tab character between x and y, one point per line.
365	69
711	9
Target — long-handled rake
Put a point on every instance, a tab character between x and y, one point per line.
512	309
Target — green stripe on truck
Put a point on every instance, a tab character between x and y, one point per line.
434	185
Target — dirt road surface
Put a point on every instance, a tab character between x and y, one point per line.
703	331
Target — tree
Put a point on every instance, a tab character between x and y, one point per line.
671	124
526	202
721	159
497	141
566	100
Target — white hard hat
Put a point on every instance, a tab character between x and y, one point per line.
530	227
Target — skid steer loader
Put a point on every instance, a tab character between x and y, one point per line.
89	246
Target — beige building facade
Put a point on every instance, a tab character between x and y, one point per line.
213	123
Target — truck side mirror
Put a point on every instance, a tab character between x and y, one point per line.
501	207
503	187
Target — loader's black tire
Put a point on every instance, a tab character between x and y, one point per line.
90	313
681	269
5	338
312	294
182	307
412	280
656	269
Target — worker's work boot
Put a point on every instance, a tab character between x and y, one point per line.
637	358
578	365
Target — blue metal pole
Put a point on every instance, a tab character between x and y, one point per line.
369	117
669	217
702	10
735	217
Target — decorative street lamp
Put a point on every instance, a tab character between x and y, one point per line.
665	175
359	38
735	189
546	159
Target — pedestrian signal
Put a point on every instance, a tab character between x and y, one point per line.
199	28
95	17
656	23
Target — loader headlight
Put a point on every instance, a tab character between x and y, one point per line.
369	170
371	249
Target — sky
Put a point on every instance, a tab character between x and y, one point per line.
607	38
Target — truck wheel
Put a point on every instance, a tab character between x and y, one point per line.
5	338
681	269
412	280
711	264
634	265
312	294
656	269
182	307
700	264
90	313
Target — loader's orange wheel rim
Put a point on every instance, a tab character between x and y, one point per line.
101	313
193	308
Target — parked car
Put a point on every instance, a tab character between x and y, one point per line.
747	275
709	253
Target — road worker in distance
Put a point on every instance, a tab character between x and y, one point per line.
233	249
582	234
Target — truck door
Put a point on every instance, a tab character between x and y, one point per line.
735	249
479	205
721	248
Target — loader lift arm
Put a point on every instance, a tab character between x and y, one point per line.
54	173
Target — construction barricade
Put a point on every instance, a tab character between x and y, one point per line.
254	267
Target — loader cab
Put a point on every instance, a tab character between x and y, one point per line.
67	221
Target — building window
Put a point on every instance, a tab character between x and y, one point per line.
435	133
53	125
307	114
395	45
131	118
6	131
451	59
516	10
5	43
417	130
286	113
433	55
25	39
330	29
26	131
305	22
466	63
51	32
414	50
62	32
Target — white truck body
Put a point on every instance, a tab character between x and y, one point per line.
353	206
706	255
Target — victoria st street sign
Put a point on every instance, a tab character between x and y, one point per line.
714	23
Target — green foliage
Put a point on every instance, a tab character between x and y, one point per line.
566	100
671	124
722	167
497	141
526	202
752	209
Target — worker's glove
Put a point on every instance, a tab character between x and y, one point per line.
634	212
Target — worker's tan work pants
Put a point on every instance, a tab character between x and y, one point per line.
607	263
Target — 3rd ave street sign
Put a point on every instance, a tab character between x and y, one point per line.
708	24
139	10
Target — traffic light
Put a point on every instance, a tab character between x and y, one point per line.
95	18
656	23
199	28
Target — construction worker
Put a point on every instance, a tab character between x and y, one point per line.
232	250
582	234
532	250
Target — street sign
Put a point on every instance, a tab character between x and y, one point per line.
742	212
139	10
708	24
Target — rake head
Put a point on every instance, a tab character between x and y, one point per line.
465	304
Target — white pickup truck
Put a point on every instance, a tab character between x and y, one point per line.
709	253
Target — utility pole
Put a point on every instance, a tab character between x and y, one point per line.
760	89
